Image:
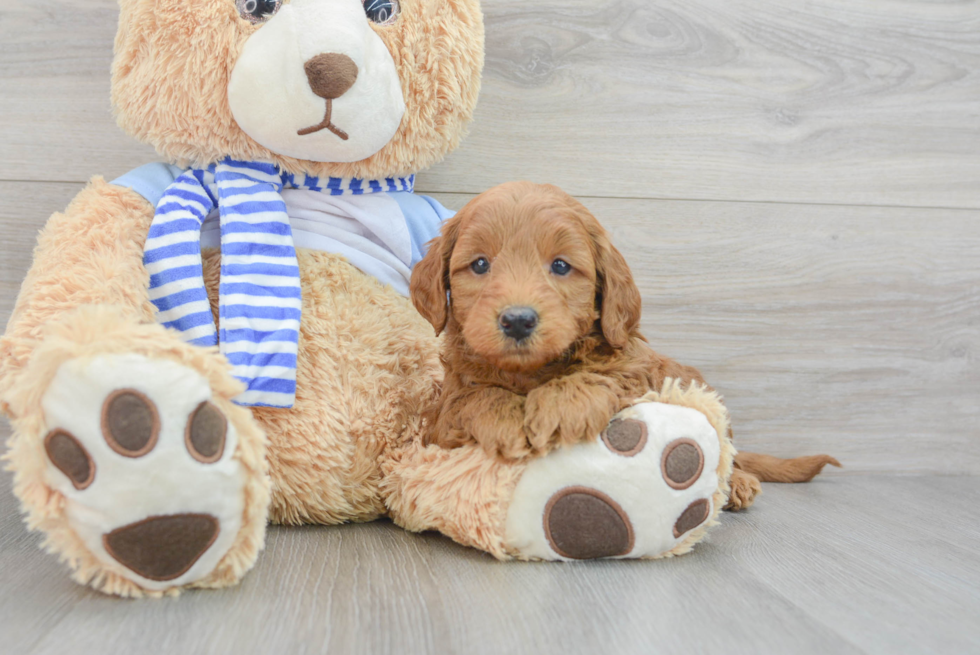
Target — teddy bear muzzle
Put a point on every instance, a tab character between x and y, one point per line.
331	75
315	82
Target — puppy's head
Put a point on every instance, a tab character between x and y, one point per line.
523	271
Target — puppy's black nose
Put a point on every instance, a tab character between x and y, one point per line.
518	322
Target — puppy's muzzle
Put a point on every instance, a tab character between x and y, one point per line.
518	322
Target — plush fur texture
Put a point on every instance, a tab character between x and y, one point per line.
174	59
368	365
99	239
460	492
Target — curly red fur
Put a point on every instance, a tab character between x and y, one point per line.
586	359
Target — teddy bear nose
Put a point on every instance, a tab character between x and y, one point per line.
518	322
331	74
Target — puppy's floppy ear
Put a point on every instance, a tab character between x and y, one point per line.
619	296
429	286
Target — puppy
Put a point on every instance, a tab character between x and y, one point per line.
541	318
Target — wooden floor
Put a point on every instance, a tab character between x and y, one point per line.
859	564
797	189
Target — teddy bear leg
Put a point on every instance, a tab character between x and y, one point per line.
648	487
460	492
126	451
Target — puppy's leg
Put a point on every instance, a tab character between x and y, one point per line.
569	410
491	416
745	487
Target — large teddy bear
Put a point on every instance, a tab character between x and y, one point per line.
206	345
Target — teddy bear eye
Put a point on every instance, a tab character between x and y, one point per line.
382	12
561	267
258	11
480	265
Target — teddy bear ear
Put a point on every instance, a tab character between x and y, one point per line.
429	286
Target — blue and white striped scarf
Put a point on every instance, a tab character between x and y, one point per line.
259	298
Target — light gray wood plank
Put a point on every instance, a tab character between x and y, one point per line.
848	330
57	120
840	565
906	543
866	102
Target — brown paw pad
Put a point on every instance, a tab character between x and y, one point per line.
625	436
162	547
70	457
584	523
695	514
205	435
130	423
682	463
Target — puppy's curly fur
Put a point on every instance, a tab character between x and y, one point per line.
585	359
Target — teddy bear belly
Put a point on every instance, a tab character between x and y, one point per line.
367	364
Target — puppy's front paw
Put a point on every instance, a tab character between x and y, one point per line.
566	412
509	450
498	426
541	420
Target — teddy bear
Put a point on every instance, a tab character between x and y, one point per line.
224	340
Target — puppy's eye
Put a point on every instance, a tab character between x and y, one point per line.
382	12
561	267
480	265
258	11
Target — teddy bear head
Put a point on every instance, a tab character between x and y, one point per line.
343	88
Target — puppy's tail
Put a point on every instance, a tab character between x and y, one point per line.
773	469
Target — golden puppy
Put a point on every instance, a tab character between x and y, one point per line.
542	344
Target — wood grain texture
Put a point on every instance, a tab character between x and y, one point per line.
866	102
866	564
863	102
848	330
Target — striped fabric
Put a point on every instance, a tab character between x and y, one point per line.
260	301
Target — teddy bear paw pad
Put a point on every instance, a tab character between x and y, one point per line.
144	460
639	490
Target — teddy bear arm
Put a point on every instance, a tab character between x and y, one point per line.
89	374
91	254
